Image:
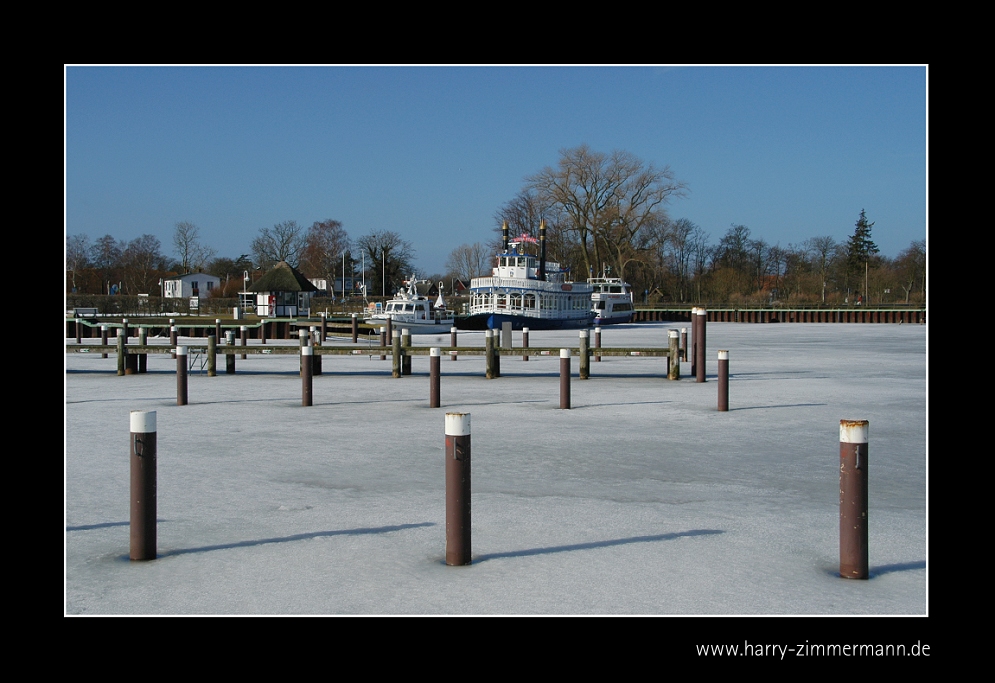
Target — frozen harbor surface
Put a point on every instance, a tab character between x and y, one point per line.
642	499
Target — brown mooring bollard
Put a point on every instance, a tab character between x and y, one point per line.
243	333
674	371
121	353
307	373
383	341
217	329
684	344
525	342
699	345
142	361
181	375
103	338
694	341
406	357
853	499
143	485
212	356
489	354
597	343
79	329
723	381
584	353
355	328
452	342
565	378
457	489
172	340
434	380
396	351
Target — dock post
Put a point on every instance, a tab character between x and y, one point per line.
103	339
79	329
506	335
121	352
383	341
694	341
172	340
316	357
434	380
181	375
405	356
355	328
565	379
302	339
142	359
229	353
452	342
457	489
489	353
243	333
307	368
699	344
217	329
143	485
723	381
496	348
262	332
212	356
396	354
585	355
324	326
525	342
124	326
684	344
597	343
675	356
853	499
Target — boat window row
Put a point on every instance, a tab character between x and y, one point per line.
517	301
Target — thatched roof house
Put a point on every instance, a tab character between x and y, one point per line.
283	292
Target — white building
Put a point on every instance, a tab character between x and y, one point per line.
191	284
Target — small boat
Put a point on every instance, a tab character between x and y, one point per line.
611	300
412	309
527	291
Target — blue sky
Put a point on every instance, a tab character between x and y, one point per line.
432	152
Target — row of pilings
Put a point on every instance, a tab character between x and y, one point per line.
781	315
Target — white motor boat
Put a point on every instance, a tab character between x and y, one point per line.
411	308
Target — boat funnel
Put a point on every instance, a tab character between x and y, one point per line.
504	237
542	249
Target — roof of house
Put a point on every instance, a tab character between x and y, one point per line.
283	278
190	276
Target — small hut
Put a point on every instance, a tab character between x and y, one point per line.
283	292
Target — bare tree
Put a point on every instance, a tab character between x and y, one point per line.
911	267
822	250
388	258
190	253
605	199
283	242
77	254
468	261
143	264
324	246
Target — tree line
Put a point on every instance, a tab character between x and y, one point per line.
607	214
322	251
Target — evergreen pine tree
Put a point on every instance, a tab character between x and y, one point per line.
860	248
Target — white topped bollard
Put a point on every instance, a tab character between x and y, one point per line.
457	489
434	372
181	375
723	381
452	342
853	499
143	485
565	379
